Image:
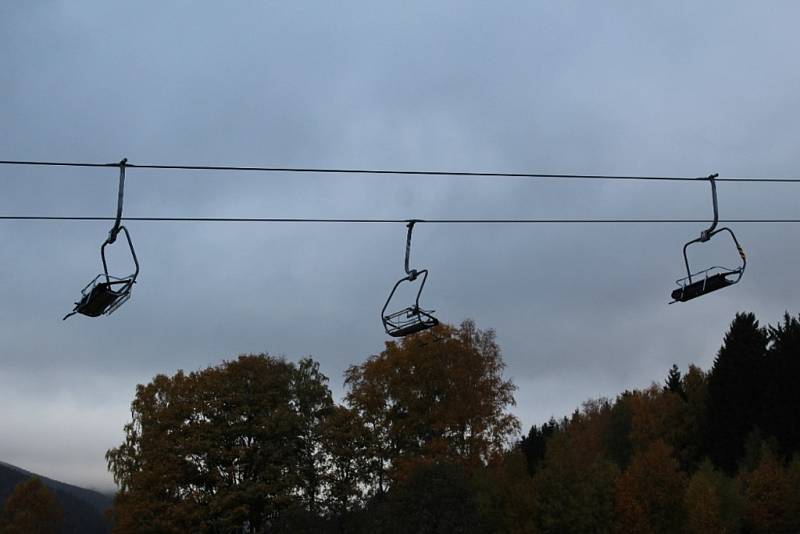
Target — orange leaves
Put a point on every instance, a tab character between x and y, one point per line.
437	395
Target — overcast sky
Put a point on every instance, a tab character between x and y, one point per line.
684	88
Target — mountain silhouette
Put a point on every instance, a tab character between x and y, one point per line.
83	509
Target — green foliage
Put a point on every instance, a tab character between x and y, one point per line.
31	509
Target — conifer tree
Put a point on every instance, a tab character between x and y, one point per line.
674	382
533	445
781	399
735	388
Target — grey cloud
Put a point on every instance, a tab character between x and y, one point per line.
580	311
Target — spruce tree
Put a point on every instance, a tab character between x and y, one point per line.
782	401
736	390
674	382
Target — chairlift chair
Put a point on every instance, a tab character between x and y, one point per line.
105	293
705	281
411	319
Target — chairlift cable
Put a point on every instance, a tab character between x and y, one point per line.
466	174
390	221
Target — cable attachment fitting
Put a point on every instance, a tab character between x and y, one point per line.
412	273
112	234
706	234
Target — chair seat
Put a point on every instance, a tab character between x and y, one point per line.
702	287
409	321
102	298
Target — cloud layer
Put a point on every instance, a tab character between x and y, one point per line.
580	311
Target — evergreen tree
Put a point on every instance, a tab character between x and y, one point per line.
674	382
533	445
735	388
781	399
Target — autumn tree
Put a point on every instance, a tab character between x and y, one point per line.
574	485
771	495
227	448
657	415
649	494
712	502
437	395
31	509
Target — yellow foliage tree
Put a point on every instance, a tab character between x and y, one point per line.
649	494
771	496
712	502
437	395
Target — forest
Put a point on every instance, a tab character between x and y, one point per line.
425	442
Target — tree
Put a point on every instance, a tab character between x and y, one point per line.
505	495
771	495
435	396
649	494
348	444
735	389
226	448
31	509
313	405
533	445
781	401
617	439
712	502
657	415
692	450
674	383
435	498
574	486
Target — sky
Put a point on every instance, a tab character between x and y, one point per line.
679	89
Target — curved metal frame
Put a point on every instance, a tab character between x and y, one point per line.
425	319
133	276
722	276
98	297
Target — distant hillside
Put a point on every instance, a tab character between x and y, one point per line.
83	509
